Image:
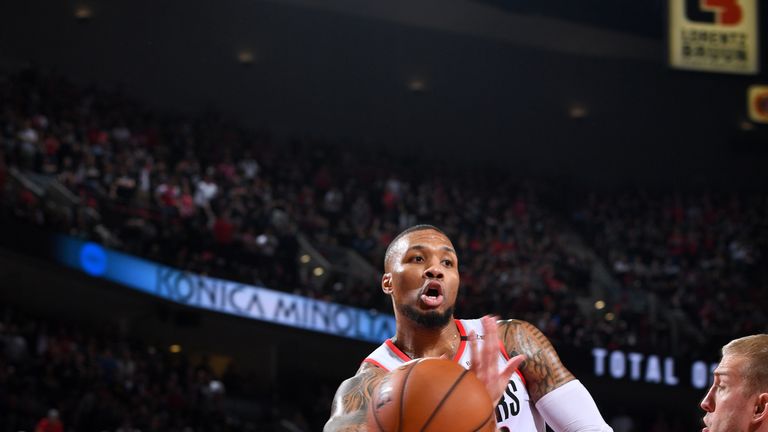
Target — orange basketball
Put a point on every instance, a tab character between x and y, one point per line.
431	395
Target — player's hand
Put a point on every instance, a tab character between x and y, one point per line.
485	360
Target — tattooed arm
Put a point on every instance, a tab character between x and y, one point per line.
542	369
350	405
563	402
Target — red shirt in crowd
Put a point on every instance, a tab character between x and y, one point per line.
223	231
46	425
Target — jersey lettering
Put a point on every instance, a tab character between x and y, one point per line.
509	404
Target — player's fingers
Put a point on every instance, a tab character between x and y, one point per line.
491	337
511	365
479	361
476	361
505	374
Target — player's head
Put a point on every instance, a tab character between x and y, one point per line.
53	415
421	275
391	248
738	398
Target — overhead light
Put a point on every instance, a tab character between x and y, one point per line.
318	271
175	348
417	85
83	12
599	305
578	111
216	387
746	126
246	57
610	316
305	259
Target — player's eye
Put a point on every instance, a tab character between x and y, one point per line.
417	258
447	263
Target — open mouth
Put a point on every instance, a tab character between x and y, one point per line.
432	294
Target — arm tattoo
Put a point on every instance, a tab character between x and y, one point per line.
349	410
542	369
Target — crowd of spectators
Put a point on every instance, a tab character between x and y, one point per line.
703	254
63	376
141	185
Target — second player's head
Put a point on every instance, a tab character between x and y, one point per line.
738	398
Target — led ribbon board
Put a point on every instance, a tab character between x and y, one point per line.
223	296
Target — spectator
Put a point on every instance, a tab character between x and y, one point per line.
50	423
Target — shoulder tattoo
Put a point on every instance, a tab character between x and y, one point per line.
542	369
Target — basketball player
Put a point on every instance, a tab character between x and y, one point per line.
738	398
515	361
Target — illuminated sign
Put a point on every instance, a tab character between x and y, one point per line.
650	368
224	296
714	35
757	97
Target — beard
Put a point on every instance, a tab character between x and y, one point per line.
428	319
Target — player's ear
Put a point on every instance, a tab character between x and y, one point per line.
760	415
386	283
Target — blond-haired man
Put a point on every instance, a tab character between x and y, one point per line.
738	398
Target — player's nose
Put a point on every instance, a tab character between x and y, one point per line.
433	272
707	404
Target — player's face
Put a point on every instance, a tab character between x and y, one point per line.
423	277
728	403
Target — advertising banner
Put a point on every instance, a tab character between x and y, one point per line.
714	35
224	296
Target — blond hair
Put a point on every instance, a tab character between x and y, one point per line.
755	350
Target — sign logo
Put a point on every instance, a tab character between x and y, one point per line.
93	259
723	12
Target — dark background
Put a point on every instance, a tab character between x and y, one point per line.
498	81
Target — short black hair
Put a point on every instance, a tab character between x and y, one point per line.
419	227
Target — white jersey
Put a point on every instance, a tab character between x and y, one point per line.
515	411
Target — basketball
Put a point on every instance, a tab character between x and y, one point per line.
431	395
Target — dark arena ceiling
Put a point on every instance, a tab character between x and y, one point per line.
546	88
643	18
